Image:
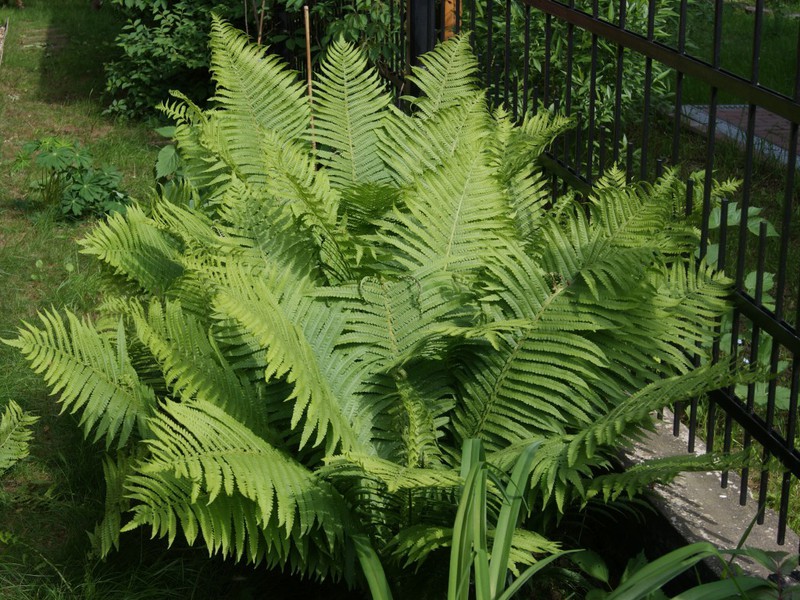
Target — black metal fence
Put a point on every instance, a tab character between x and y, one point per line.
650	85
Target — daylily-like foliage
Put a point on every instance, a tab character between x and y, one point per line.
298	338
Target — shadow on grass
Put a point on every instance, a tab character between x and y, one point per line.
78	40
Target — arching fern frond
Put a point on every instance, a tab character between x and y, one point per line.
445	77
90	370
15	435
134	247
202	466
258	309
349	108
638	478
457	215
255	88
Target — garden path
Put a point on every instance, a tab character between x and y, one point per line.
772	131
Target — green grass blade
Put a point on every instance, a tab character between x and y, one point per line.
372	568
509	515
724	589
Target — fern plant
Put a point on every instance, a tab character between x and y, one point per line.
298	338
15	435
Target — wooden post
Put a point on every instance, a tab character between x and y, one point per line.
451	17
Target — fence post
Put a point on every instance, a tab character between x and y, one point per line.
421	28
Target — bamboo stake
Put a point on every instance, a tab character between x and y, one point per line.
308	74
261	22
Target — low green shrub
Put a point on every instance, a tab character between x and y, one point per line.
67	179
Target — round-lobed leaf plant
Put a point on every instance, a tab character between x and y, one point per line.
301	334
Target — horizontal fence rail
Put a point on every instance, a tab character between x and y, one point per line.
626	72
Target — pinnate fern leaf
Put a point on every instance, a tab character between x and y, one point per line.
90	370
15	435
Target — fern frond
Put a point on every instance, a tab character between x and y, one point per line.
392	475
638	478
445	77
349	106
192	363
410	146
256	89
136	249
90	371
197	451
259	310
15	435
457	215
105	536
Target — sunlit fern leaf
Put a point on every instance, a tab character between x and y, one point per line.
349	107
258	310
410	146
201	169
394	476
90	371
625	420
193	365
515	149
445	77
105	536
198	451
254	87
15	435
395	323
638	478
135	248
457	215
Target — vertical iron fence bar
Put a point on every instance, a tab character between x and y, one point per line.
791	431
548	40
696	361
786	228
507	58
592	100
629	162
527	56
648	82
783	510
721	263
623	6
755	342
570	56
458	17
676	126
489	43
394	42
578	127
601	141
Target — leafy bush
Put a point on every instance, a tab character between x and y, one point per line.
300	337
163	44
68	179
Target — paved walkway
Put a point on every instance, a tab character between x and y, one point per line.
772	132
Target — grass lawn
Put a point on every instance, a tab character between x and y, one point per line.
778	56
